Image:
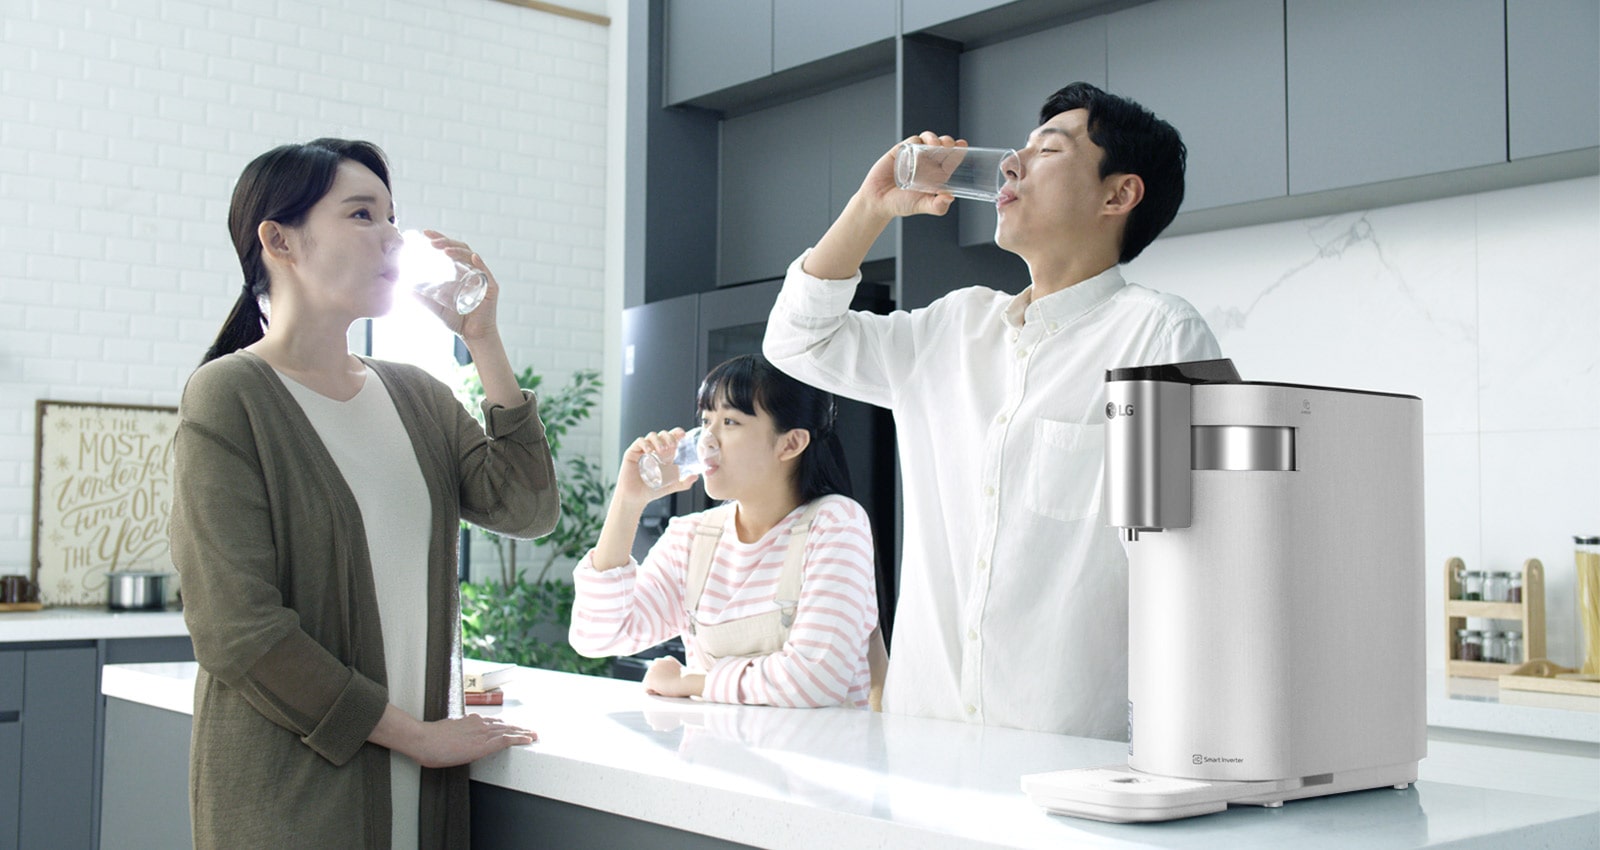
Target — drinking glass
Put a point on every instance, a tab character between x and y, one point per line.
433	273
966	172
689	458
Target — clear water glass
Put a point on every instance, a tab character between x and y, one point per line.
432	273
688	458
973	173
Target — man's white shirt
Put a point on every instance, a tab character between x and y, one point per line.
1013	606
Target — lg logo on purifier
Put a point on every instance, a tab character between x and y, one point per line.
1113	410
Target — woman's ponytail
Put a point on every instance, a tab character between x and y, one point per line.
245	325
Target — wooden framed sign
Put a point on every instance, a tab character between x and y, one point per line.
102	496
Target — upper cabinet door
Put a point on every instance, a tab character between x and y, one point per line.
1385	89
921	14
1004	85
807	30
775	188
714	44
1215	72
863	127
1553	70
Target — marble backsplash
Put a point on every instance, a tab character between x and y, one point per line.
1486	306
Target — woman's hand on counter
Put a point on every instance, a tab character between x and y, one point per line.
447	743
666	677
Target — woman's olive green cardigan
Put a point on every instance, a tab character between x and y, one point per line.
278	597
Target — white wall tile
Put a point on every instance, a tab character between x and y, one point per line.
1539	489
1452	523
1539	260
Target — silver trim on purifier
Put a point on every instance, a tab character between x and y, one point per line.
1242	448
1147	480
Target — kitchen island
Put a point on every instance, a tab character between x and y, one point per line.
615	768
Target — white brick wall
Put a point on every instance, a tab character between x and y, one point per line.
124	123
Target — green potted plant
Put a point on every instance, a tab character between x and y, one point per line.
522	620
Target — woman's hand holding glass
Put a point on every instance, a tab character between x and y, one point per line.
446	299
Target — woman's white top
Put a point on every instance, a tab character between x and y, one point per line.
375	457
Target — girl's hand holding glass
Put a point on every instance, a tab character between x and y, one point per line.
688	458
664	462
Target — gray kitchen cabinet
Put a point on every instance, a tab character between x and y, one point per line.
146	789
1215	72
50	743
861	128
808	30
1552	75
1002	87
1387	89
11	666
789	169
774	189
714	44
921	14
60	703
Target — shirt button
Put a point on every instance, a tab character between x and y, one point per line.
972	634
1021	353
1052	326
1001	419
982	565
1015	336
988	491
972	709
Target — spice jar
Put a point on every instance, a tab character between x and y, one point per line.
1496	585
1469	645
1494	647
1514	648
1472	586
1514	589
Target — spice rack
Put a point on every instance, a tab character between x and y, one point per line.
1530	612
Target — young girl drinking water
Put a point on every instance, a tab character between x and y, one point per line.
773	591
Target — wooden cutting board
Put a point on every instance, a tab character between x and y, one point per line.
1575	684
21	606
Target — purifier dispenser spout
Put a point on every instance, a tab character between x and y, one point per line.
1148	443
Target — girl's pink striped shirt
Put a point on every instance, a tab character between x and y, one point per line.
824	662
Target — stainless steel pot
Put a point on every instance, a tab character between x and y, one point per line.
136	591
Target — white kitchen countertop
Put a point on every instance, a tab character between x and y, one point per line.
1479	705
68	623
842	778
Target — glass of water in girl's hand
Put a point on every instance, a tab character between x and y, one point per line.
689	458
433	274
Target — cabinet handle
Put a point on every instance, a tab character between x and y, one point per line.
10	716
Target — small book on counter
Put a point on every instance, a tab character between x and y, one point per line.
494	697
483	676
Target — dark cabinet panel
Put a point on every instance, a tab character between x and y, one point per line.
774	188
1003	86
714	44
1215	72
11	667
808	30
59	715
863	127
1386	89
1553	75
146	798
